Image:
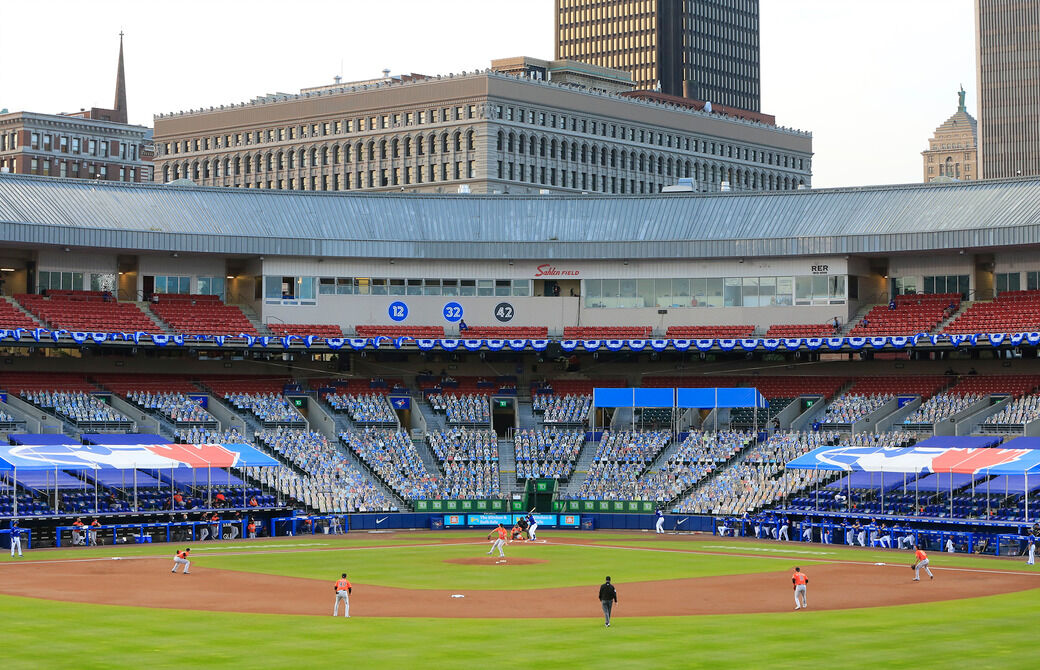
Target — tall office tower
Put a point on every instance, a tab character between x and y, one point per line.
1007	53
702	49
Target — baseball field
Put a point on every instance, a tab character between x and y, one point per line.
437	600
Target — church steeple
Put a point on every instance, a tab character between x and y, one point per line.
119	106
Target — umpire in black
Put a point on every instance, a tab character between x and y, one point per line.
607	598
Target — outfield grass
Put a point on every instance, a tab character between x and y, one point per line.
992	632
995	631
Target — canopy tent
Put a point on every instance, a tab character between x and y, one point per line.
946	481
1008	484
869	480
917	459
126	455
1023	443
957	466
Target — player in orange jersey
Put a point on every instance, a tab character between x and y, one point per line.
921	561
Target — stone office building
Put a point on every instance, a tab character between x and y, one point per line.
481	132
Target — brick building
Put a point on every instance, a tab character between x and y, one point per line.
93	143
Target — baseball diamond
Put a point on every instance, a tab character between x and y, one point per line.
673	583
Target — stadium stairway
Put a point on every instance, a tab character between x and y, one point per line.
160	325
961	309
254	318
856	318
28	315
526	416
428	458
435	421
507	466
371	475
581	469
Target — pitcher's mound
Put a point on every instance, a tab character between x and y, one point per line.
494	560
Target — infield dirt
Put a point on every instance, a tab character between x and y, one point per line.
147	582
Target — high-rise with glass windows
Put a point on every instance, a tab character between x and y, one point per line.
702	49
1007	42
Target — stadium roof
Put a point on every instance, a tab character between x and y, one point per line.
882	220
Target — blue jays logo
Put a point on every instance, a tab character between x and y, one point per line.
876	459
401	403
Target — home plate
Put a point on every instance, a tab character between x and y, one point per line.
457	595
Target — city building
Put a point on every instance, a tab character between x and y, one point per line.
94	143
951	152
484	132
707	50
1007	42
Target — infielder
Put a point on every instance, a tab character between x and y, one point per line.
342	588
921	561
800	581
659	525
499	541
182	558
532	528
16	539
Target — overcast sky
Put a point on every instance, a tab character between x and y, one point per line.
871	80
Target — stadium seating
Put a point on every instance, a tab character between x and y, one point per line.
201	315
367	408
506	332
466	408
87	311
330	483
394	458
748	482
620	459
801	330
607	332
76	406
303	330
156	383
696	458
1020	411
176	407
912	314
225	384
469	459
566	409
12	317
1011	312
19	382
704	332
922	385
941	406
268	408
421	332
549	452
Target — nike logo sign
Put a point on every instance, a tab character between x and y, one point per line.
382	520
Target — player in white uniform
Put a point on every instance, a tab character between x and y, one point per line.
183	558
1032	550
16	539
532	528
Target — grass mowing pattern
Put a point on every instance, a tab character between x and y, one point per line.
992	632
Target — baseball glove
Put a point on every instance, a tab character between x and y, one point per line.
913	566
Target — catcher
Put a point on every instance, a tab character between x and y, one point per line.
920	561
516	534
